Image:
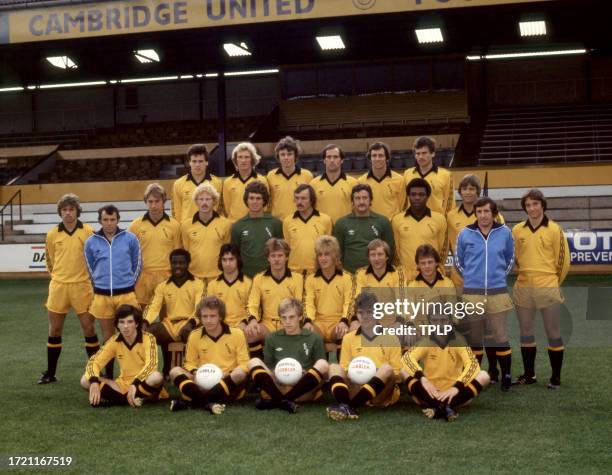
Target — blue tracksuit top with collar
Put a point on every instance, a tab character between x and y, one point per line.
484	262
113	266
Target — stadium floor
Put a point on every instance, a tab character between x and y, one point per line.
531	429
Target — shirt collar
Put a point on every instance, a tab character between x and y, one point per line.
222	278
386	175
189	277
462	209
319	273
196	218
207	177
62	228
433	169
147	217
252	175
297	215
388	269
544	222
138	339
341	177
268	273
225	331
433	284
297	171
417	218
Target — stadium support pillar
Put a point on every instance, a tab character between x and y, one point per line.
221	112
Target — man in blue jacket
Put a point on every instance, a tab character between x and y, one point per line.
484	257
114	264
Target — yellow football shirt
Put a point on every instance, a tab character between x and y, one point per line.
180	302
157	241
282	188
234	294
442	198
267	293
233	194
389	193
384	349
64	253
328	300
301	235
183	205
334	199
228	351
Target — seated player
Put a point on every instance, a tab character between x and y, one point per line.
214	343
429	283
388	280
179	297
136	352
269	288
385	352
232	286
441	373
291	341
327	292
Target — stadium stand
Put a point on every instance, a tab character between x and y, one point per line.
373	110
547	134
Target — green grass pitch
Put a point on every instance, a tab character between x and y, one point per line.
531	429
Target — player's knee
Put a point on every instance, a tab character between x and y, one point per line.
84	382
254	363
384	372
322	366
176	371
483	378
238	375
155	379
404	375
335	370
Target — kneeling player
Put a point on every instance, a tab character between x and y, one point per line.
441	373
384	351
136	352
292	341
214	343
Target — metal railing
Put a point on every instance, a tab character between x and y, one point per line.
9	204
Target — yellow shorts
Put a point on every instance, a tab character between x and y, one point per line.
271	324
174	327
327	328
491	303
62	297
537	298
146	284
103	307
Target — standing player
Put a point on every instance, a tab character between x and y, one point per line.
441	373
220	345
388	187
269	288
303	228
485	256
327	292
543	260
385	351
113	260
158	235
245	158
441	181
355	231
333	187
291	341
231	287
136	351
70	286
418	225
178	297
251	232
205	232
183	206
285	179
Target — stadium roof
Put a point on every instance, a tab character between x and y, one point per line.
466	31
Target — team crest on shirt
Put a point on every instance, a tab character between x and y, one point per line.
306	349
280	348
245	233
351	232
375	231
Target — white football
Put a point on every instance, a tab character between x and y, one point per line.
361	370
288	371
208	375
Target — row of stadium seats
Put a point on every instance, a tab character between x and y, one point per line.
573	133
379	109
